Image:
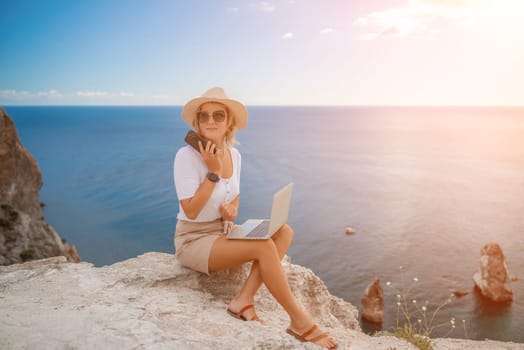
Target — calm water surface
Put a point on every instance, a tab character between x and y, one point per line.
424	188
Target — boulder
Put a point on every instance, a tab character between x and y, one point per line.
493	279
152	302
373	303
24	234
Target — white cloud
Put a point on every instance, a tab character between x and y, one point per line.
103	94
421	18
326	30
80	96
26	95
288	35
49	94
92	94
395	22
8	93
233	9
265	6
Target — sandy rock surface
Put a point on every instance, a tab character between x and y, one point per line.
152	302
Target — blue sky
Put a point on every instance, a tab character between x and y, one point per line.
301	52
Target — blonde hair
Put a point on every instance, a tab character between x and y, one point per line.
231	125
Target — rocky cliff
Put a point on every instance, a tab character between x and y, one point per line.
152	302
24	234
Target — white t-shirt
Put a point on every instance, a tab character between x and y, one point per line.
190	171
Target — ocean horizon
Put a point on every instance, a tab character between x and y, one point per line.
424	188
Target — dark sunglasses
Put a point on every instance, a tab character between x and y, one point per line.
218	116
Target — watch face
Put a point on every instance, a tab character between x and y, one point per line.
213	177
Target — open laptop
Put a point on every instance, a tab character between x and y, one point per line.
264	229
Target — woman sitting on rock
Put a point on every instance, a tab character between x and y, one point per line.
207	186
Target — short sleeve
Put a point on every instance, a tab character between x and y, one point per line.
186	173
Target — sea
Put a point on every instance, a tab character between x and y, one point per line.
424	189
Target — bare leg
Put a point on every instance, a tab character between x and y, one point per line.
282	239
231	253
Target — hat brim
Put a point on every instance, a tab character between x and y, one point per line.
236	110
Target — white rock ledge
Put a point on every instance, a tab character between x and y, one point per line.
152	302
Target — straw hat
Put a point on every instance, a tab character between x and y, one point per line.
236	109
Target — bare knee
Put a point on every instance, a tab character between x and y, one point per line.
285	232
266	249
288	232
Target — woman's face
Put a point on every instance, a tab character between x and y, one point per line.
213	128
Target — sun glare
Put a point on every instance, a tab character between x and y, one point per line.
504	9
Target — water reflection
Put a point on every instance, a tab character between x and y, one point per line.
493	318
485	307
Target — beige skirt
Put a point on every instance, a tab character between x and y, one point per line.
193	242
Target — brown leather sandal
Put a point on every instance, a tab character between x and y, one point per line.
239	315
302	337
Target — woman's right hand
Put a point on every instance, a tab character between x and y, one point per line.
211	156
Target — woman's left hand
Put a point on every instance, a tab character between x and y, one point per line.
229	212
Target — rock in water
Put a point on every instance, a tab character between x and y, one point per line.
350	231
373	303
493	278
24	235
460	293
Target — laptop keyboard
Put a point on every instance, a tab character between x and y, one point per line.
261	230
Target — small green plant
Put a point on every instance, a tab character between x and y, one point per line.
418	320
28	254
8	216
411	335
